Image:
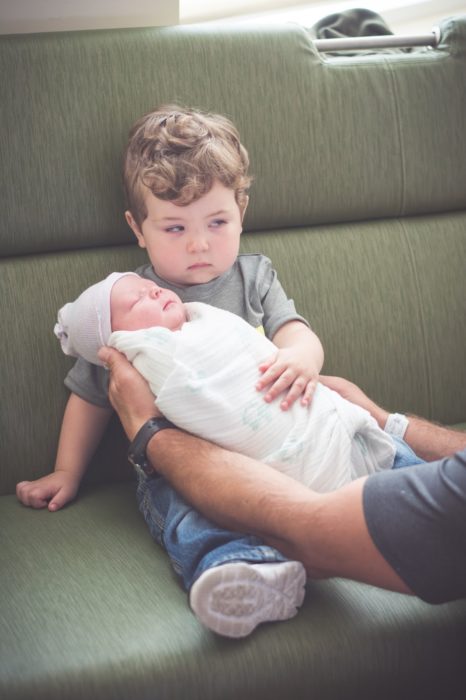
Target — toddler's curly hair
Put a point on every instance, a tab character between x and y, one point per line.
178	153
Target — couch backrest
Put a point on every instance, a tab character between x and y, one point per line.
359	198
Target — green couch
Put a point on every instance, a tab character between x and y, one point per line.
360	200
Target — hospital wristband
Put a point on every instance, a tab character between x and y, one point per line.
396	425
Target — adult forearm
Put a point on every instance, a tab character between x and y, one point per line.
233	490
327	532
431	441
428	440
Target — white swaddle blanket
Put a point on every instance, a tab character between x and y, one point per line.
204	376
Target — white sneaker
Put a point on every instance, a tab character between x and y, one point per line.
232	599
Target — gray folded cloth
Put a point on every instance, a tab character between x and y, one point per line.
353	23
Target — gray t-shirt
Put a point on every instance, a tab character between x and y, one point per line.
250	289
416	517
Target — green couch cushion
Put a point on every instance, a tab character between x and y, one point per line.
387	298
330	139
381	295
100	602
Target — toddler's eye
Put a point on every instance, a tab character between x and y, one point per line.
218	222
174	229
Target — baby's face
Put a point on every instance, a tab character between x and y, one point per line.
139	303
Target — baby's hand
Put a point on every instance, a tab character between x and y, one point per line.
287	369
52	491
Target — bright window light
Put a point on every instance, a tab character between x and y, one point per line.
402	16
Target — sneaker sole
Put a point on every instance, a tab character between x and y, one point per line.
233	599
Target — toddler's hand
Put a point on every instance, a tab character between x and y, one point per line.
287	370
52	491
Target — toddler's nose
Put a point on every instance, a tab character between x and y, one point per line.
197	244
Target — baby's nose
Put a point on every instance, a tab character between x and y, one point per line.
155	291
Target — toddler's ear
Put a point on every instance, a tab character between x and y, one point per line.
135	229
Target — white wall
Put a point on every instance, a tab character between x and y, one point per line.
18	16
21	16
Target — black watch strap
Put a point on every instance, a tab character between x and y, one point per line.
137	450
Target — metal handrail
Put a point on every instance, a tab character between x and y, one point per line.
360	43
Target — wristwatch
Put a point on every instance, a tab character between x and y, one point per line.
137	450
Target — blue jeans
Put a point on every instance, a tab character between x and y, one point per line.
192	542
404	457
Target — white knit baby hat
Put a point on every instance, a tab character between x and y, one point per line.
84	325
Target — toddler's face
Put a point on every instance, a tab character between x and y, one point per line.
192	244
139	303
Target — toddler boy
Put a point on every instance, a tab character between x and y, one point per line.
186	182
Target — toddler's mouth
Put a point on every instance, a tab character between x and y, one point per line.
197	266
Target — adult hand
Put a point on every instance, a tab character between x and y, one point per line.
129	393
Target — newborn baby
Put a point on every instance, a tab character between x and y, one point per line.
202	366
